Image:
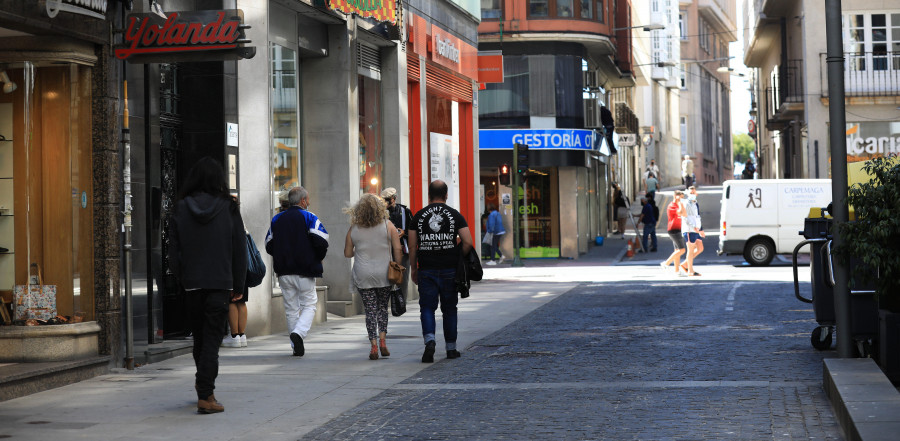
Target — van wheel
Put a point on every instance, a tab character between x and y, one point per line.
759	252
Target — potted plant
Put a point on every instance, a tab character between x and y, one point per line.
871	245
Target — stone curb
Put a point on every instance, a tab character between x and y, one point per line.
864	401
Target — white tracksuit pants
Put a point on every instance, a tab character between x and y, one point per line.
299	296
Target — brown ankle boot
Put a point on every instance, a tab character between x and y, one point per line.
209	405
384	349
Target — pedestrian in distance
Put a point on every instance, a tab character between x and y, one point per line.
373	242
749	169
434	258
237	321
649	221
401	217
652	168
495	228
208	255
698	245
673	228
297	241
620	209
652	186
687	171
691	229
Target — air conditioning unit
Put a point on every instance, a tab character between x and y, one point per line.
591	113
591	79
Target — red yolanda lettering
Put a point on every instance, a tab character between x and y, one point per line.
143	36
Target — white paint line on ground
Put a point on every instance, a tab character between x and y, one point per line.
729	302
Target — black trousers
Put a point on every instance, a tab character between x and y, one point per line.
209	312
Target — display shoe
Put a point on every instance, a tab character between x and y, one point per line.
428	355
209	405
383	348
297	340
373	354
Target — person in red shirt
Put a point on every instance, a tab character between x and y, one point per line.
674	230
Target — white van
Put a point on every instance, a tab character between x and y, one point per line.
762	217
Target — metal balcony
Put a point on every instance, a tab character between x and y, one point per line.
867	74
784	96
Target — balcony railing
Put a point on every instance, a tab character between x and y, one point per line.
867	74
785	91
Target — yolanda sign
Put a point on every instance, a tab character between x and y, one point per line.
185	32
380	10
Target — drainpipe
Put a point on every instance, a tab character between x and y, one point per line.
838	122
126	178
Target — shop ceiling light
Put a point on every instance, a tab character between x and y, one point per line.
9	86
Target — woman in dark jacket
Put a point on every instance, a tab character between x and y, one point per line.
208	254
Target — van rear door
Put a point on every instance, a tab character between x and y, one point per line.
794	201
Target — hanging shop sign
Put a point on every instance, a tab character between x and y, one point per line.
185	36
490	67
90	8
380	10
536	139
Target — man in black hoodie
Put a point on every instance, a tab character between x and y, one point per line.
208	254
297	241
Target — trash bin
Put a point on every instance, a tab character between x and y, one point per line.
816	231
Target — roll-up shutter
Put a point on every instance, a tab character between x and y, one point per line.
447	85
412	67
368	60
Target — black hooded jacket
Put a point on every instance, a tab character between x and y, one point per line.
208	247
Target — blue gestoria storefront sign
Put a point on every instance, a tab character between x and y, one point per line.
538	139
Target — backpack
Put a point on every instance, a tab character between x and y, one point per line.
656	212
256	268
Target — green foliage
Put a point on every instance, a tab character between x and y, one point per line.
743	145
874	238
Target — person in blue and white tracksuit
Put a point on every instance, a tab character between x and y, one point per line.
298	242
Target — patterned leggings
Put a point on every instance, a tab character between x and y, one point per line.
375	301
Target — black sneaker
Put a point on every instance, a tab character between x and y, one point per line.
453	353
297	340
428	356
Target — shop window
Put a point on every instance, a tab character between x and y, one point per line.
491	10
286	151
538	214
443	144
46	195
371	153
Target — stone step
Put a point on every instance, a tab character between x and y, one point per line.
20	379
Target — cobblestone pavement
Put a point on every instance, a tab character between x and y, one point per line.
658	360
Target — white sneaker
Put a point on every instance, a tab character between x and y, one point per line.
501	259
243	341
490	262
682	273
231	342
663	266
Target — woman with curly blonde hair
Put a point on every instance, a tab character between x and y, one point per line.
374	242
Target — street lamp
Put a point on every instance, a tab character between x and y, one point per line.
729	71
659	64
649	27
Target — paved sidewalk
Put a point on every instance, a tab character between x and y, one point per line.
268	394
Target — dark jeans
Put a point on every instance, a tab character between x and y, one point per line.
209	311
495	246
649	230
438	286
